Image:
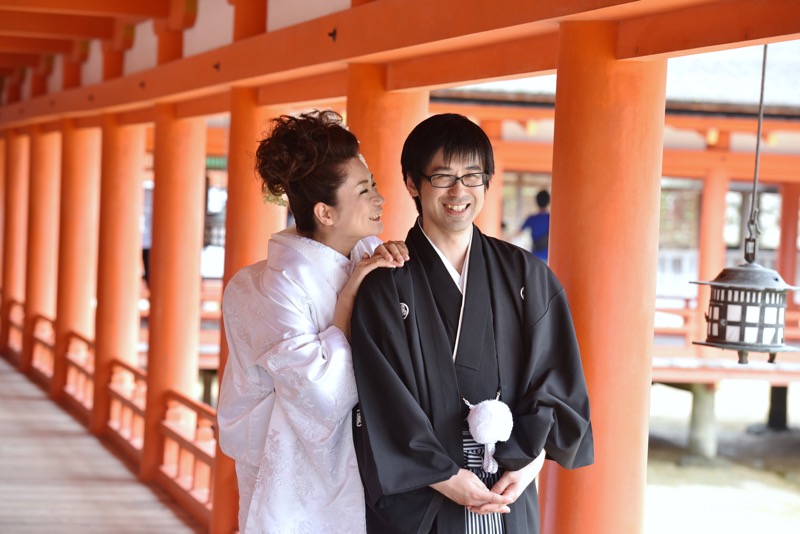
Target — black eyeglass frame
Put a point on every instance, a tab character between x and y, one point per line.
453	179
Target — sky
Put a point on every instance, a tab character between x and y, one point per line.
729	76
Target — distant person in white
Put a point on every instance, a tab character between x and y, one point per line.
288	389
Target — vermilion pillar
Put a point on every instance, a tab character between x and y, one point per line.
490	218
248	224
77	252
15	225
382	120
119	258
178	200
787	255
777	418
711	253
249	18
3	159
43	208
604	248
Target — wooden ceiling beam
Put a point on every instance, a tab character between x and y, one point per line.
423	45
55	26
35	45
527	56
708	27
18	60
108	8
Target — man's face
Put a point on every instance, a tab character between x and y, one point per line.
450	210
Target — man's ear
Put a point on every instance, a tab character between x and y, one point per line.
323	214
412	189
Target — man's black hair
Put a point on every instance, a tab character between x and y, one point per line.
455	135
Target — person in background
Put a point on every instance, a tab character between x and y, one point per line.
288	390
538	226
466	360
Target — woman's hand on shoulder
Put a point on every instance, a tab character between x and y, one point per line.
393	250
389	254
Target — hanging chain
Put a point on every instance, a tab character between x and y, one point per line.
751	243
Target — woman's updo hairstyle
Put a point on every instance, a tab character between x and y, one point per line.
302	157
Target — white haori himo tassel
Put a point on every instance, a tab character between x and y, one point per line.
489	421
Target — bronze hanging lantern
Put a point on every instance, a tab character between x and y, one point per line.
747	308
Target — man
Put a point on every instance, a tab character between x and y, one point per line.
422	352
538	226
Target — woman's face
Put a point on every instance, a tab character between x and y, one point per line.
360	206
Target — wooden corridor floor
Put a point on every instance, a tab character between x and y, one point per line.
56	478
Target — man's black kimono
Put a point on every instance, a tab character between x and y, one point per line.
408	425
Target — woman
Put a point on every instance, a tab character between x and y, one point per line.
288	389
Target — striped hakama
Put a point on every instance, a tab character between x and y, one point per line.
473	461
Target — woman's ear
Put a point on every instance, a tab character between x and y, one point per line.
323	214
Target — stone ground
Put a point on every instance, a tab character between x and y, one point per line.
753	486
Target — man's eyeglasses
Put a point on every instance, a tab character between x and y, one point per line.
475	179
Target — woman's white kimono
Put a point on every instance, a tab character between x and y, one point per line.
288	390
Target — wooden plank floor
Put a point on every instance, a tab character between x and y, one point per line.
57	478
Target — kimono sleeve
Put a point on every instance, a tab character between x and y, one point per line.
552	410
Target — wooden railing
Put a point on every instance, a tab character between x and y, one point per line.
128	398
189	454
80	373
676	316
16	327
44	349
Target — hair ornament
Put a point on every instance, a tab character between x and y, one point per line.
278	200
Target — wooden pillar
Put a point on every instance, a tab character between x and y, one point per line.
43	208
178	200
15	229
248	226
490	218
249	18
118	258
3	159
711	253
604	249
382	120
77	253
777	419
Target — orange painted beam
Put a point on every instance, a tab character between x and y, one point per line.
708	27
534	54
739	165
328	85
774	168
701	122
521	113
34	45
205	105
118	8
49	25
314	51
18	60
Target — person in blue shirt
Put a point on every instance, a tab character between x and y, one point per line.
538	225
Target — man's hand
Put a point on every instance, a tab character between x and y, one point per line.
512	483
466	489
